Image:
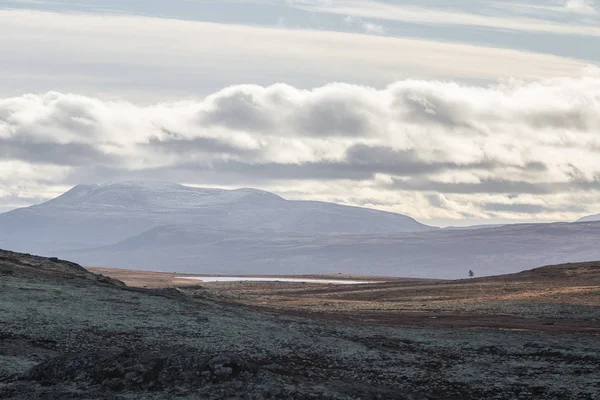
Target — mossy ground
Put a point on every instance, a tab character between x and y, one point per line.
80	339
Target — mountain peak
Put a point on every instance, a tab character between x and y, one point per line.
152	196
117	207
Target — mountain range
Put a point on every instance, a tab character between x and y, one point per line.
590	218
170	227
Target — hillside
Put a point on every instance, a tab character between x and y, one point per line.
67	335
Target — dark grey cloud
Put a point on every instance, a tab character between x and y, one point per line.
379	159
581	119
434	200
75	114
485	186
335	117
238	110
496	186
422	106
515	208
192	146
64	154
535	166
273	113
361	163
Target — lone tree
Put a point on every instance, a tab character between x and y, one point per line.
471	273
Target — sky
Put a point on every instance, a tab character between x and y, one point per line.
452	112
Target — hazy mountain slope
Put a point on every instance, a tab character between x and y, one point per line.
590	218
34	231
163	226
97	215
438	254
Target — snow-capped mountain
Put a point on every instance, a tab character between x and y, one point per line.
152	197
170	227
97	215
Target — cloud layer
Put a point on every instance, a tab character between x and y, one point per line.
441	16
144	59
434	150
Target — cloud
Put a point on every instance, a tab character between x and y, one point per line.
522	208
365	26
581	6
424	15
411	147
152	59
71	154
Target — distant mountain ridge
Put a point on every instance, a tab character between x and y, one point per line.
590	218
152	197
433	254
171	227
98	215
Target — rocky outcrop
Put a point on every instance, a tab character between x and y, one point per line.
27	265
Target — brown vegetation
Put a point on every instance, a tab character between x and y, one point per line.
552	298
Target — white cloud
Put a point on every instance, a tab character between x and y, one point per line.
582	10
431	149
423	15
581	6
365	26
139	57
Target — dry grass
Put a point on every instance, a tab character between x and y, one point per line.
565	296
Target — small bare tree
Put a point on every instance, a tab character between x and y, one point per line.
471	273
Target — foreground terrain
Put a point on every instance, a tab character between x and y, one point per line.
554	298
67	333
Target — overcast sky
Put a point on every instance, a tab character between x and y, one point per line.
452	112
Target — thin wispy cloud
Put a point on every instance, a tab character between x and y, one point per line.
163	57
581	6
573	8
417	14
365	26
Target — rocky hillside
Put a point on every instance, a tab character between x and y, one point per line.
68	334
34	267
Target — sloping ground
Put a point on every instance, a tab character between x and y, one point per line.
584	272
67	335
552	298
29	266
